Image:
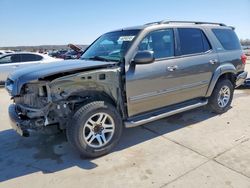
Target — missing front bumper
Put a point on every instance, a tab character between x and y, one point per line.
18	124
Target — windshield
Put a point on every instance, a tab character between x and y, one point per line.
111	46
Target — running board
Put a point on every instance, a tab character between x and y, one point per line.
133	123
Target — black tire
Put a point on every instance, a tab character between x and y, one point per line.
213	99
75	129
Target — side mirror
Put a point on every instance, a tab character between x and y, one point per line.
144	57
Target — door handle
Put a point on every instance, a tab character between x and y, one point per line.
213	61
15	66
172	68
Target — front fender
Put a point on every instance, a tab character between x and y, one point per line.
101	80
222	69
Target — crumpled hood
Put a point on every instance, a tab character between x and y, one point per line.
22	76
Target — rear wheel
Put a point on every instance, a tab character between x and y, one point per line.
95	129
221	98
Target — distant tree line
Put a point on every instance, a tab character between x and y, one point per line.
245	42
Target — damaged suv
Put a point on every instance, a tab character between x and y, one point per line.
127	78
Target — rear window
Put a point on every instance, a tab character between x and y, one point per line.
193	41
227	38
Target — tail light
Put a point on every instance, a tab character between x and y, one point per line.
243	58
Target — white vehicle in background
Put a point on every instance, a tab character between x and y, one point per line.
3	52
13	61
246	50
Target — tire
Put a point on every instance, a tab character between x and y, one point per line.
215	101
95	129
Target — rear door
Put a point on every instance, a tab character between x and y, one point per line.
196	60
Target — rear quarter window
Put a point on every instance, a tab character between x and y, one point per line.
227	38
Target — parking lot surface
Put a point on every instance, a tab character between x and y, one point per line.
191	149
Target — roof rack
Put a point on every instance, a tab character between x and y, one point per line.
192	22
152	23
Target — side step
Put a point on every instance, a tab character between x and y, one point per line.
143	119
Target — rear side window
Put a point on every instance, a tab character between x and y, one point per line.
30	57
193	41
227	38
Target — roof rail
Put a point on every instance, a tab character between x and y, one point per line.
192	22
152	23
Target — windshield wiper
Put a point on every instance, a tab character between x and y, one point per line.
99	58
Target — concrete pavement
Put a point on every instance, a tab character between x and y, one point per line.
192	149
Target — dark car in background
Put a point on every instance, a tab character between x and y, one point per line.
57	53
71	54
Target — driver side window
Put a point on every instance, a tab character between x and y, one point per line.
161	42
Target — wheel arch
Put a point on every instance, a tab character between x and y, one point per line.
225	71
85	97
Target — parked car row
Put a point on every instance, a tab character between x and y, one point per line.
75	52
65	54
57	53
10	62
2	52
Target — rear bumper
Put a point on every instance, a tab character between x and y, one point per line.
241	79
18	124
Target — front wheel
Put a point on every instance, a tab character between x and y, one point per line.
221	98
95	129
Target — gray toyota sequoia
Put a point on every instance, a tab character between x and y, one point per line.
127	78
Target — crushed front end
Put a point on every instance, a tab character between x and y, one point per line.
47	105
34	110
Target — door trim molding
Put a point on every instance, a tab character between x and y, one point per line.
166	91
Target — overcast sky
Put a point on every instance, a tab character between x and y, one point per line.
39	22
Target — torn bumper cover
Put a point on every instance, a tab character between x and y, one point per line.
241	78
19	124
22	123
